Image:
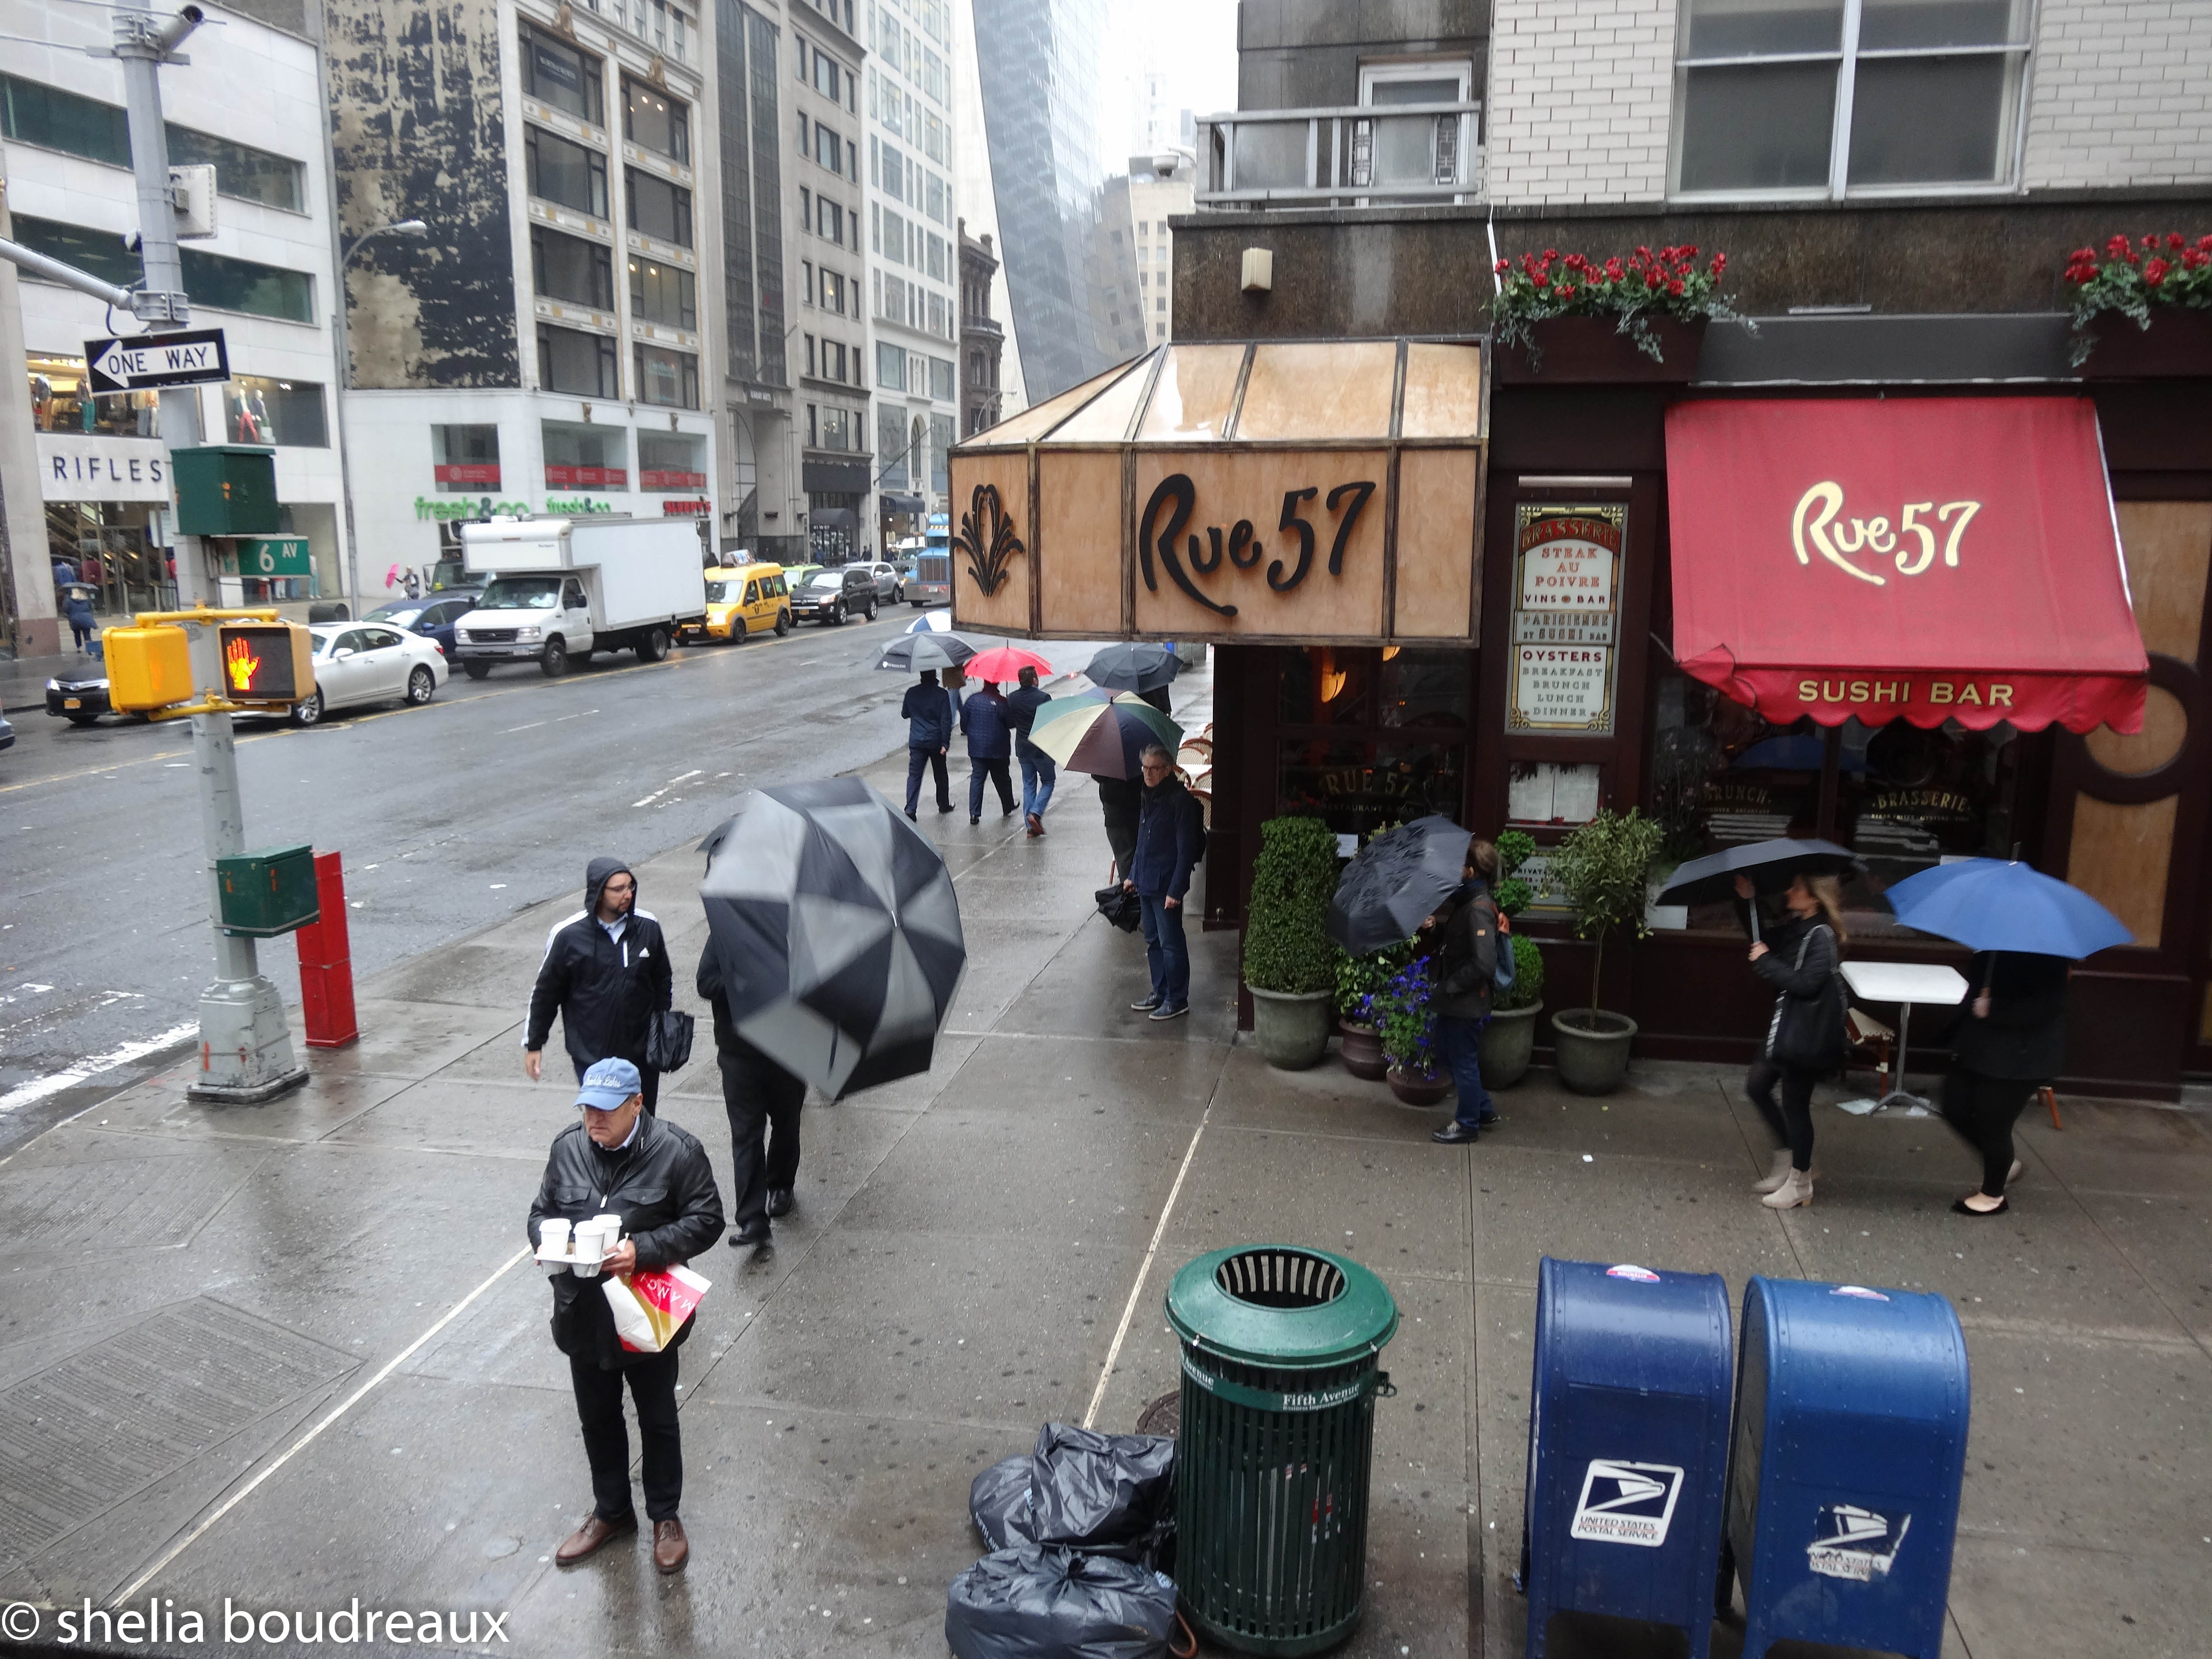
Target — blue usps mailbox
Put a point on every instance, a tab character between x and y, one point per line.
1627	1446
1843	1472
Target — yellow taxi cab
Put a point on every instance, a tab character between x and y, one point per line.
743	599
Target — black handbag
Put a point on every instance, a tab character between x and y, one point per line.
1119	905
668	1041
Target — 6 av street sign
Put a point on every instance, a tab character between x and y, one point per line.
145	362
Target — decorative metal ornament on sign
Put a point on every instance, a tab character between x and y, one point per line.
149	362
987	537
1566	617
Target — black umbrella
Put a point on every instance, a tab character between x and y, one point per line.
1397	880
1134	665
838	932
1771	866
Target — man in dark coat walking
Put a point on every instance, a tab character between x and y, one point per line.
1170	832
764	1102
928	711
990	735
656	1177
1038	772
606	973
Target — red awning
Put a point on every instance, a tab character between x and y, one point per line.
1940	558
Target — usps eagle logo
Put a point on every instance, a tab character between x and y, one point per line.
1625	1503
1855	1543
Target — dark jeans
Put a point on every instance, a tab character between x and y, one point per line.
999	773
1982	1109
1792	1121
762	1100
1166	951
648	1084
83	631
917	759
606	1438
1457	1047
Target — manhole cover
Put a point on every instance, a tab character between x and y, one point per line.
1164	1416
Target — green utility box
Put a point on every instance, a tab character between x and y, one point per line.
269	892
225	489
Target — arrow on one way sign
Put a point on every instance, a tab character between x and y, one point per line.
145	362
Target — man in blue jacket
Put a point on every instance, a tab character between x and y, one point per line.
990	735
927	712
1023	705
1168	830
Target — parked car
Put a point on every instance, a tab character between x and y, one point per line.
795	576
891	586
7	733
79	699
831	596
358	663
433	617
742	600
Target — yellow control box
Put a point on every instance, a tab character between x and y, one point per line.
148	668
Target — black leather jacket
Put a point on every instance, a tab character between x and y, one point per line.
663	1188
1801	962
1466	959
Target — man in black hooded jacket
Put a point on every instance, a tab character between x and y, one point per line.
606	973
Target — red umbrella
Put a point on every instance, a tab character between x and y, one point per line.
1003	662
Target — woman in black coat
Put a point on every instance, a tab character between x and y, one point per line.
2006	1044
1800	958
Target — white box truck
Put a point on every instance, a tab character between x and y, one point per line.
563	588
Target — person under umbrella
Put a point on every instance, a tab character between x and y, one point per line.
984	723
763	1101
1468	937
1801	960
1401	876
928	710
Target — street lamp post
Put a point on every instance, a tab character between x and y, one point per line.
417	229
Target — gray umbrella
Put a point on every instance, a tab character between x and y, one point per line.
1134	665
838	932
909	653
1398	878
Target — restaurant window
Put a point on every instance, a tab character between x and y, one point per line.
60	402
1368	738
585	456
661	293
668	379
661	123
565	173
672	461
657	208
570	268
556	73
259	408
1933	94
465	459
571	361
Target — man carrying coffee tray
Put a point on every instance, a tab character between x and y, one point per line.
656	1177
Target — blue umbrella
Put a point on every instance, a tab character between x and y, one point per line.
1991	905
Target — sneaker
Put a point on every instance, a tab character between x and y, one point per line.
1454	1133
1147	1004
1172	1010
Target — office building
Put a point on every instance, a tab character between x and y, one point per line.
1160	186
982	342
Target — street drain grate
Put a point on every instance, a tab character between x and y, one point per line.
84	1435
114	1204
1164	1416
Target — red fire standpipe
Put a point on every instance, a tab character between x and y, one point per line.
326	963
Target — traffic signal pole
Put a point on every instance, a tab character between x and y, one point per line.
246	1049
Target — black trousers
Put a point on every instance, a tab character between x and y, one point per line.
918	760
999	773
1792	1121
1982	1110
648	1084
606	1438
764	1102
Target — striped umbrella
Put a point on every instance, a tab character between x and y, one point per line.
1100	734
931	621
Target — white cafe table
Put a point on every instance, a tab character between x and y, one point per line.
1904	983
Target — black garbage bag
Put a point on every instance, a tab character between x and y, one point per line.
1032	1603
998	1502
1111	1494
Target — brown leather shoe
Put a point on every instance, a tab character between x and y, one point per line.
671	1548
594	1535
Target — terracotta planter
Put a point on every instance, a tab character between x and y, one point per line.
1419	1091
1590	1048
1361	1051
1505	1045
2177	345
1591	350
1291	1028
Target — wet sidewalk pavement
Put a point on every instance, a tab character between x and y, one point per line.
287	1357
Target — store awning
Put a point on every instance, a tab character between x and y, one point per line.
1932	559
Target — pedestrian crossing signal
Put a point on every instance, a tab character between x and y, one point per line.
266	662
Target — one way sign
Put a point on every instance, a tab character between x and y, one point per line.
142	363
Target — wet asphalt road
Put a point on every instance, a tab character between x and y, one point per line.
451	817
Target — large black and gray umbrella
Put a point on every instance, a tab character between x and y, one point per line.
1769	864
910	651
1397	880
838	933
1134	665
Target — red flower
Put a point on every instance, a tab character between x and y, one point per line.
2120	248
1566	290
1503	266
2205	242
1720	263
2154	272
1613	270
1674	287
2173	240
1542	281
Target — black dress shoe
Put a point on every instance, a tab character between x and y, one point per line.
779	1201
1959	1206
752	1238
1455	1133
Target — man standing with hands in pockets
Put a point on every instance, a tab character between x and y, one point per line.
1169	839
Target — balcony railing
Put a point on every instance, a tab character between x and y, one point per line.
1351	155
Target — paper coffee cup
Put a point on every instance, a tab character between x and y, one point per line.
591	1248
553	1235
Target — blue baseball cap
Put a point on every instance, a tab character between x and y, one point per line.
608	1084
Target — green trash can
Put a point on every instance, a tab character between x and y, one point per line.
1279	1375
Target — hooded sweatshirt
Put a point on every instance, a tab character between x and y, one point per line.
605	985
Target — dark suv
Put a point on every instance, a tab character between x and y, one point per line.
829	596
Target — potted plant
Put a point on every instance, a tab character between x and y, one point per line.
1289	963
1358	978
1509	1038
2166	280
1640	316
1406	1024
1601	870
